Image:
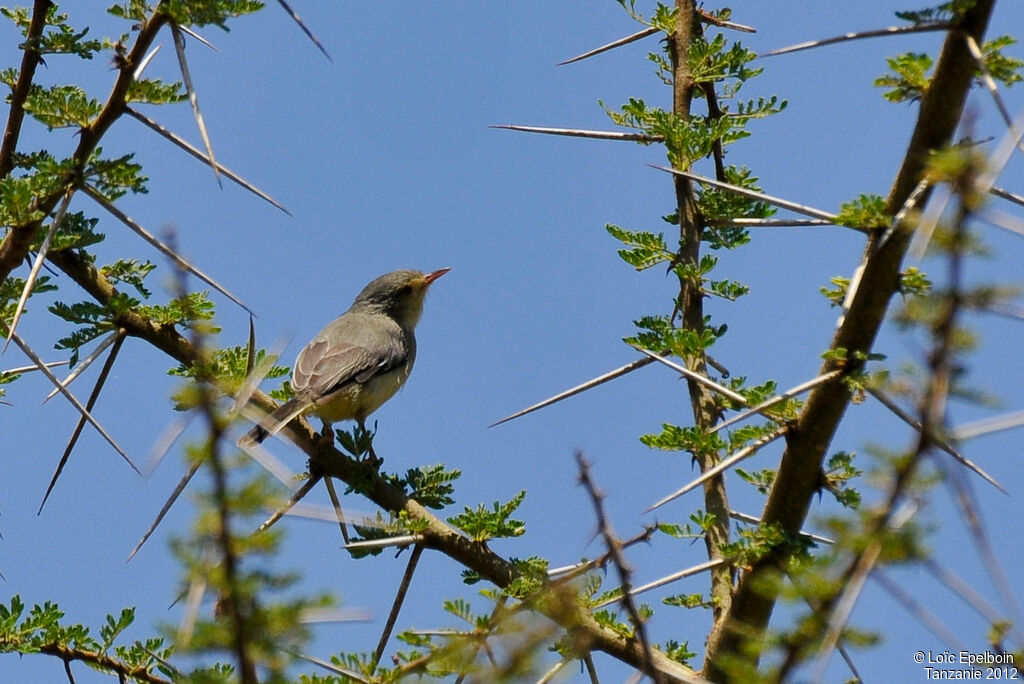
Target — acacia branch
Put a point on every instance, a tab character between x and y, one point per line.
799	470
30	59
16	243
691	307
102	662
325	460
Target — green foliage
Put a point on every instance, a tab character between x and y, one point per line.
866	212
482	524
18	205
61	106
250	589
531	575
716	203
752	543
58	38
356	442
914	282
130	272
658	333
837	295
377	527
75	232
762	480
134	10
227	366
156	92
10	293
115	177
839	471
686	601
1002	68
909	77
724	65
692	439
432	485
95	320
207	12
41	630
645	249
701	520
679	652
945	12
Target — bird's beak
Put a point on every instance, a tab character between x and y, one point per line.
431	277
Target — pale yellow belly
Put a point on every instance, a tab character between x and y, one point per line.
357	401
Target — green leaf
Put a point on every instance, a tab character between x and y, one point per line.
62	106
156	92
1002	68
58	37
866	212
206	12
432	485
646	249
482	524
909	78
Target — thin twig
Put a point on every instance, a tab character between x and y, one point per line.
767	223
44	248
754	520
583	133
67	393
84	363
986	426
89	404
614	545
667	579
178	489
768	403
198	154
935	439
396	607
588	662
1007	195
744	453
305	29
599	380
890	31
28	369
30	59
336	502
164	249
732	395
296	497
753	194
914	607
193	98
990	84
639	35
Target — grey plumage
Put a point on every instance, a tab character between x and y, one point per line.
361	359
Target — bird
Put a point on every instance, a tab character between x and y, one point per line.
359	360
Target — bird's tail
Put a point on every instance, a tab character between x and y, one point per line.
273	423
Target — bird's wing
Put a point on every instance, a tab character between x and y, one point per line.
333	359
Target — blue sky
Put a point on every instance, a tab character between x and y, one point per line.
386	160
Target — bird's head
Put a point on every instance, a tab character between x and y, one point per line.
398	294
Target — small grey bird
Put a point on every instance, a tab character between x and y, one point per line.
360	359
